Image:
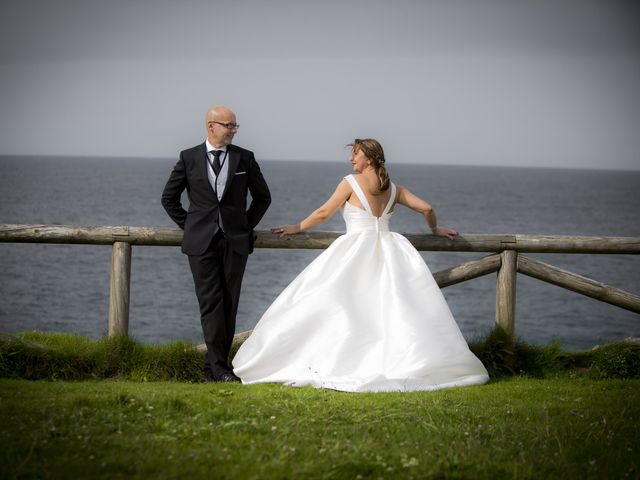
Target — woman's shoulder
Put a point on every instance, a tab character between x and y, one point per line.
348	179
346	182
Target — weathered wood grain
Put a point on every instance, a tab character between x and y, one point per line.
120	287
470	242
577	283
506	292
467	271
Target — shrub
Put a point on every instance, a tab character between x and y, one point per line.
616	360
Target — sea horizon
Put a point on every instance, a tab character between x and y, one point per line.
331	161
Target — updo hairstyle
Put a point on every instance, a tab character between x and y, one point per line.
373	151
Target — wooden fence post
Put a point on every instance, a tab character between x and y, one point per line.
120	281
506	292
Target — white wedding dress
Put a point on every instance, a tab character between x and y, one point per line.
365	316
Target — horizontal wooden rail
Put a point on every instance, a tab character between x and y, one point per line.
91	235
472	242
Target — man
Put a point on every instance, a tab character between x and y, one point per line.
218	228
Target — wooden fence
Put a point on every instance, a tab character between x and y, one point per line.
507	259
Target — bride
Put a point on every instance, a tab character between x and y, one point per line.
366	315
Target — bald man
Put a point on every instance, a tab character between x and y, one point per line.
218	228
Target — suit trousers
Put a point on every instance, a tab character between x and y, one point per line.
217	275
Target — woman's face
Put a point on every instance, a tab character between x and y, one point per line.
359	160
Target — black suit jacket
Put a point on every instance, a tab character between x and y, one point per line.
200	221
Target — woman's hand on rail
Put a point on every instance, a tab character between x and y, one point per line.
286	230
444	232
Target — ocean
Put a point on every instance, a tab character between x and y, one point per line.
65	288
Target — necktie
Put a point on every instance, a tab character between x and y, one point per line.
216	161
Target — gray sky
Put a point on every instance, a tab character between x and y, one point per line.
531	83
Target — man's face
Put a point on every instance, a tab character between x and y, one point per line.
222	129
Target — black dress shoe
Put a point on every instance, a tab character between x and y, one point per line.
228	377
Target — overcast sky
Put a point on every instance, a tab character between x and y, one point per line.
531	83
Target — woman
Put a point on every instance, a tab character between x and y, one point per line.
366	314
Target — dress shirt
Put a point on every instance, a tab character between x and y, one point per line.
218	183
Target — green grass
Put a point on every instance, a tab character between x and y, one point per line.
515	428
545	414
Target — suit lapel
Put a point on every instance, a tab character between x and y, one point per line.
234	160
202	161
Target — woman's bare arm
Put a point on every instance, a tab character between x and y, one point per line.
408	199
320	215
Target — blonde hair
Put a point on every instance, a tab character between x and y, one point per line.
373	151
